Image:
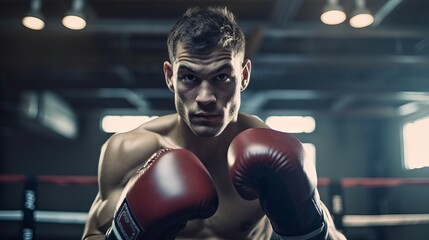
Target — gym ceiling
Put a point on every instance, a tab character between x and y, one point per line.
300	65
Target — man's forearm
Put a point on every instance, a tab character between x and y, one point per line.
95	237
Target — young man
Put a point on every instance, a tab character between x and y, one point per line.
208	171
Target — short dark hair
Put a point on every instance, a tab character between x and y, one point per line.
201	29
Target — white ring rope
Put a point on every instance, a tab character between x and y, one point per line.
384	220
348	220
46	216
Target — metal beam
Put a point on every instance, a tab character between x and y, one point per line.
162	27
353	60
284	11
387	8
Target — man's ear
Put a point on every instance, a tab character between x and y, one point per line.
245	74
168	74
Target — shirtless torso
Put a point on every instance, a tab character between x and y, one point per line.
124	153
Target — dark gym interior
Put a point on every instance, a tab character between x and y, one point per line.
361	86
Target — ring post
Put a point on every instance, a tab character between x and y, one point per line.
29	206
337	202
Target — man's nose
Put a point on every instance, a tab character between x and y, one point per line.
206	94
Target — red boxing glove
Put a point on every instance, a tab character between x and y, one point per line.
172	188
269	165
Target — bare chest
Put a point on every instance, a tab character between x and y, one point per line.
235	218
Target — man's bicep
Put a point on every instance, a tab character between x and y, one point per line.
120	158
92	228
110	188
101	213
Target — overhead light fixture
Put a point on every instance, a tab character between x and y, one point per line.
75	19
333	13
362	16
34	18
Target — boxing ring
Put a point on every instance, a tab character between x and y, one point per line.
29	214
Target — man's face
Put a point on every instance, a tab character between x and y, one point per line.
207	88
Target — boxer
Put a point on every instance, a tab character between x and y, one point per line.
207	171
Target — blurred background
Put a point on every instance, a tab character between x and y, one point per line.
354	90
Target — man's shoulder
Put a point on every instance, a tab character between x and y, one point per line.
124	153
146	134
159	125
246	121
135	141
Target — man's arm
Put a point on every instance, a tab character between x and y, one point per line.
120	157
93	228
100	216
333	232
101	212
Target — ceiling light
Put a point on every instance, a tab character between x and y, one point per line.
333	13
34	18
362	17
75	19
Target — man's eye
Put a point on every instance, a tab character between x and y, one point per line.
188	78
223	77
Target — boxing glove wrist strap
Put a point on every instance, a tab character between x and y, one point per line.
124	225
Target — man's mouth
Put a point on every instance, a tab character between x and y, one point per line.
205	117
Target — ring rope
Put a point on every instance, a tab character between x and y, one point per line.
345	182
348	220
375	182
57	180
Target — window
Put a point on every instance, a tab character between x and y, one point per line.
310	153
292	124
117	124
416	143
296	124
